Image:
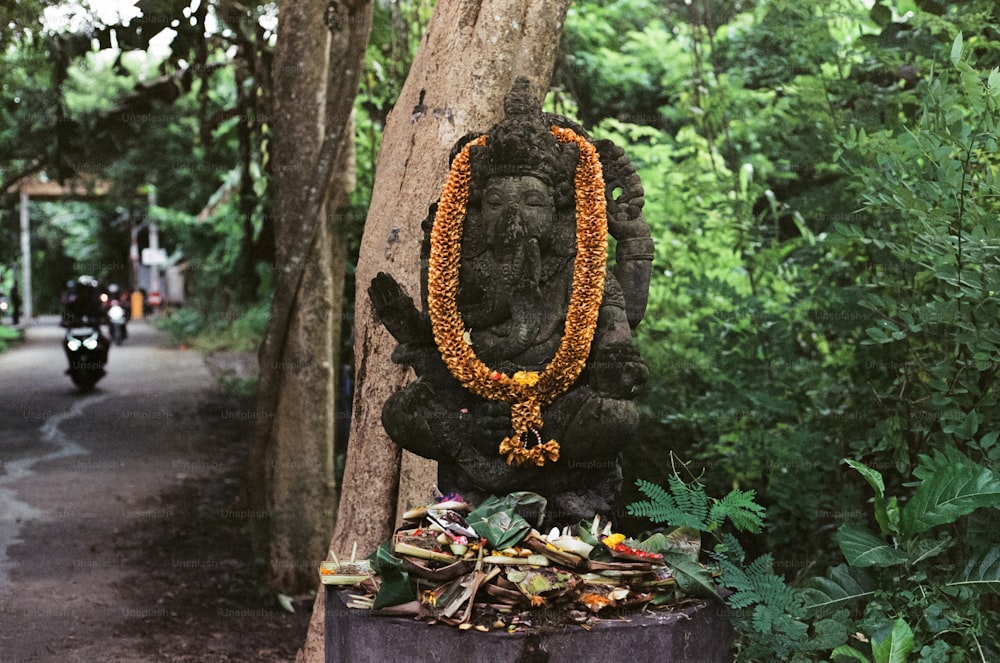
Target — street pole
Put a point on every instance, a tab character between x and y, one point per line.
154	245
25	258
133	251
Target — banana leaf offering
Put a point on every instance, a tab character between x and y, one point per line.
487	568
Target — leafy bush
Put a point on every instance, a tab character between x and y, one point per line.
785	281
931	196
769	614
7	336
241	331
823	195
182	325
926	585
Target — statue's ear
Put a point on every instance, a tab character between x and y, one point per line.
460	145
556	120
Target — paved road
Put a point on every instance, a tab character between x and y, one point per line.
76	469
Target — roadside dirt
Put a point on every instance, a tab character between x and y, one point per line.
201	595
120	513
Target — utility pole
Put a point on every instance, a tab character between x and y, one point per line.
26	257
154	249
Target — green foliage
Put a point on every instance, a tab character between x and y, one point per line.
617	62
241	332
930	193
952	486
182	325
744	326
105	104
827	287
912	594
688	506
981	572
7	336
907	590
896	646
807	168
841	587
769	613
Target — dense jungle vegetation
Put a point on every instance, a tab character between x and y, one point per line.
823	185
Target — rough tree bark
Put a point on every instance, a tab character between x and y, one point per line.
318	60
468	59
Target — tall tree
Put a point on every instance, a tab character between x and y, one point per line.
468	59
317	64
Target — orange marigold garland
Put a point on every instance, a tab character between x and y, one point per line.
527	391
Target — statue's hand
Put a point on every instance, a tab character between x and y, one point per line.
618	371
493	420
396	310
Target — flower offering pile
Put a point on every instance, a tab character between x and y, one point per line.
487	568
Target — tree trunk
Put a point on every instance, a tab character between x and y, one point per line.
318	60
468	59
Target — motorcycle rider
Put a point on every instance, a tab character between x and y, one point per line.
82	303
115	297
82	308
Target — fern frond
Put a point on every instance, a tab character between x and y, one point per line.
654	492
686	505
729	549
664	507
691	499
762	566
758	584
736	579
741	509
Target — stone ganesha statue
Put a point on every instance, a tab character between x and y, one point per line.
526	369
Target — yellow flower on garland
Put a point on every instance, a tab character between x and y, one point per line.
527	391
526	378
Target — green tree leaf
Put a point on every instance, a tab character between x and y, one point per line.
956	49
948	493
864	548
886	523
692	577
841	586
849	652
989	440
981	573
897	646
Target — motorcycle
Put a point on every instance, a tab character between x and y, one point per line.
116	322
87	350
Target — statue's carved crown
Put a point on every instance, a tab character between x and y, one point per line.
522	143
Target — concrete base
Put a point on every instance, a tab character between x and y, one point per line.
696	634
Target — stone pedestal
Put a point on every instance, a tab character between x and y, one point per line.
695	634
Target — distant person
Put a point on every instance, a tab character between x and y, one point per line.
15	303
147	310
